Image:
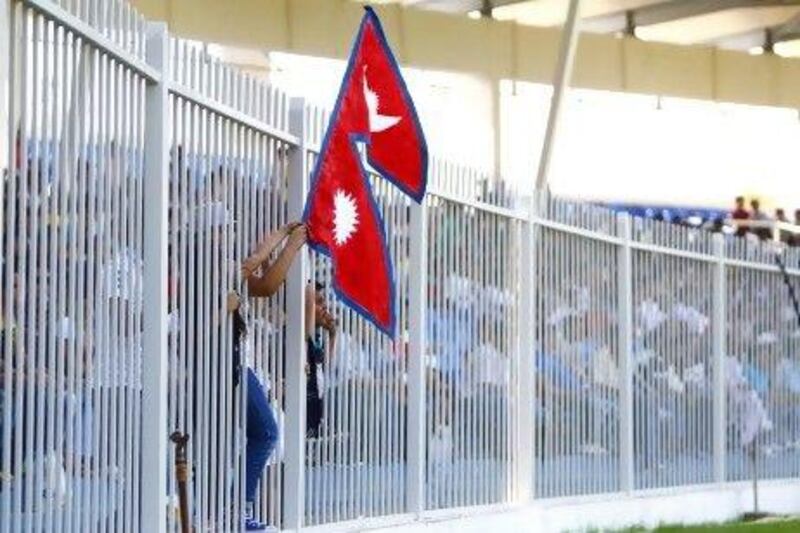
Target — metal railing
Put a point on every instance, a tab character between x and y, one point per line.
545	349
768	229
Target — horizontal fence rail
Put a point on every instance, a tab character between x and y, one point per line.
546	348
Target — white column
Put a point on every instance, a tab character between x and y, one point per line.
719	326
524	400
497	126
566	59
415	477
625	287
158	127
295	427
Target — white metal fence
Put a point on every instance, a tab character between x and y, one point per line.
547	348
71	286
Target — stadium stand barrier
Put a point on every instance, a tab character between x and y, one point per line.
546	348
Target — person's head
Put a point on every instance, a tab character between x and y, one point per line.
740	202
321	314
755	205
780	214
797	216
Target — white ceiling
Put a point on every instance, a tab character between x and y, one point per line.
711	27
742	26
553	12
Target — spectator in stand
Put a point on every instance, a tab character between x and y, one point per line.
756	214
795	241
717	225
780	216
318	355
264	278
740	213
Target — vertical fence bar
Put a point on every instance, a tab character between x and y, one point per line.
8	80
625	317
5	91
719	331
154	364
294	495
525	384
415	477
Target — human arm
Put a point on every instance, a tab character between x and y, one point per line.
265	249
274	274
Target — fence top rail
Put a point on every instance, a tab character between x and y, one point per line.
787	227
739	263
515	214
750	250
233	114
208	82
127	46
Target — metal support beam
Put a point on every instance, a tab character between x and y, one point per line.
673	10
295	402
566	60
525	390
625	287
158	126
417	452
718	365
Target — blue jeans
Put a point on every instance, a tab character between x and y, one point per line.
262	434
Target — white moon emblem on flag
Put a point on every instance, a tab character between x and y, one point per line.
377	122
345	217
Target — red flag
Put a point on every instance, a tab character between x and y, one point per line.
343	221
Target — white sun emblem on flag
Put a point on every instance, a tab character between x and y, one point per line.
345	217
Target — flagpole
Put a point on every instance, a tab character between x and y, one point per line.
566	60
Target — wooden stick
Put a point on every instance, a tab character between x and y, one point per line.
182	475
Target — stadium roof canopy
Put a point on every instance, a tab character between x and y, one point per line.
694	49
747	25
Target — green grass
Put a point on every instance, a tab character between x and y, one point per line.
778	525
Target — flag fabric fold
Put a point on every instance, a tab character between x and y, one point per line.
374	108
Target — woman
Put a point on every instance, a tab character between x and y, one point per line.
263	278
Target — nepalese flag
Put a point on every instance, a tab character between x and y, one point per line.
374	108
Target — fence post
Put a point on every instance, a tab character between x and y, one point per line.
295	438
415	479
5	91
625	288
158	127
527	338
719	326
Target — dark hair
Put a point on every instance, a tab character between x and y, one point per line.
739	199
319	286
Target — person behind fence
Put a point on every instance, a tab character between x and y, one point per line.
740	213
263	280
317	318
758	215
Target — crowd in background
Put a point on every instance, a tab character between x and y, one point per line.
750	221
757	222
